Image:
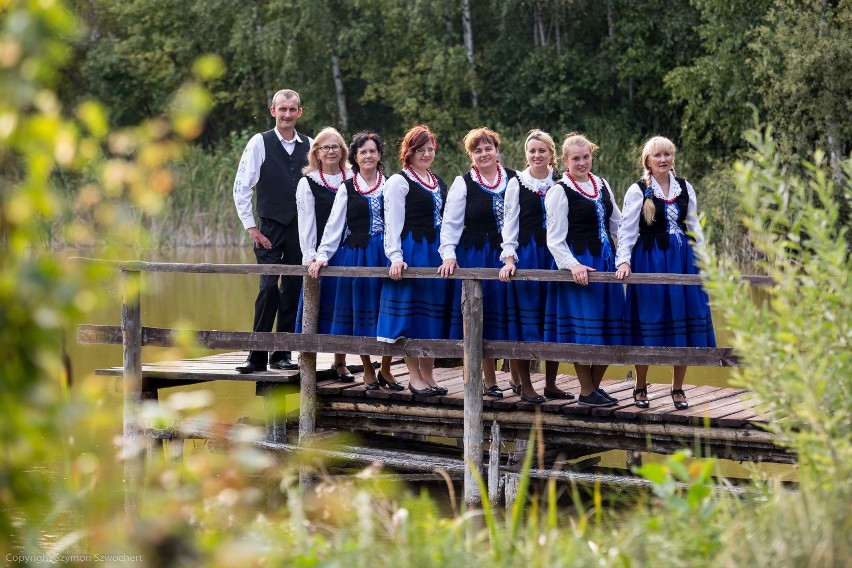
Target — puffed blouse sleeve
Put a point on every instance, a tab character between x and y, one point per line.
306	212
511	219
334	226
556	204
396	190
452	223
615	218
628	229
693	226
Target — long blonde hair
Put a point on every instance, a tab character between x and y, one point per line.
547	140
649	210
327	134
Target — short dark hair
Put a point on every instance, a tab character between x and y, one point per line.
416	137
359	140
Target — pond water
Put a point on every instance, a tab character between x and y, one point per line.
226	302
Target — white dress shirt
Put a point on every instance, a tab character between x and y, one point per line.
306	210
452	224
512	208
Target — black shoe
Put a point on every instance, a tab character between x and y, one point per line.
682	404
535	399
641	403
372	386
387	384
606	395
494	391
428	391
558	395
347	378
284	365
441	390
594	399
249	367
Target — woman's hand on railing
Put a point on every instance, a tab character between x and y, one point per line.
396	269
314	268
580	272
508	269
448	266
623	270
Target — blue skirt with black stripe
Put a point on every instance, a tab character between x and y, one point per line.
355	310
494	293
526	301
415	308
667	316
592	314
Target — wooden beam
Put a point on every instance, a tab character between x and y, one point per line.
308	372
319	343
471	305
131	332
412	272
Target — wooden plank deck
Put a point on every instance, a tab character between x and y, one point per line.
727	421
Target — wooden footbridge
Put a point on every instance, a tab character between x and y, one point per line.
722	422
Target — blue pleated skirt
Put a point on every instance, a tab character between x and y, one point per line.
328	291
355	310
526	301
415	308
667	316
591	315
494	294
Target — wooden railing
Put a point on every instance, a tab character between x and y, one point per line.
472	348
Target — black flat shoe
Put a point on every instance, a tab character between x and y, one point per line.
248	368
372	386
441	390
385	383
284	365
535	399
494	391
347	378
428	391
679	404
558	395
641	403
606	395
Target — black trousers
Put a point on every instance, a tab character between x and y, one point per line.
278	295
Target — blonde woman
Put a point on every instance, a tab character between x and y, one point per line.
582	219
326	171
656	235
525	246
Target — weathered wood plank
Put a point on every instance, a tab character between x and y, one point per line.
471	306
411	272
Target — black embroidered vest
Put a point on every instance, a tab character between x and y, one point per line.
531	217
323	200
583	228
480	218
420	211
279	176
657	232
359	215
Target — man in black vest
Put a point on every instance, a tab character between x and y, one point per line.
272	164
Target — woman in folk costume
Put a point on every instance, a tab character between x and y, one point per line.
354	236
582	218
471	238
414	205
657	234
327	169
525	247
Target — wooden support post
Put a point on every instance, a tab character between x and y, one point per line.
472	343
633	458
131	331
512	481
308	372
494	465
